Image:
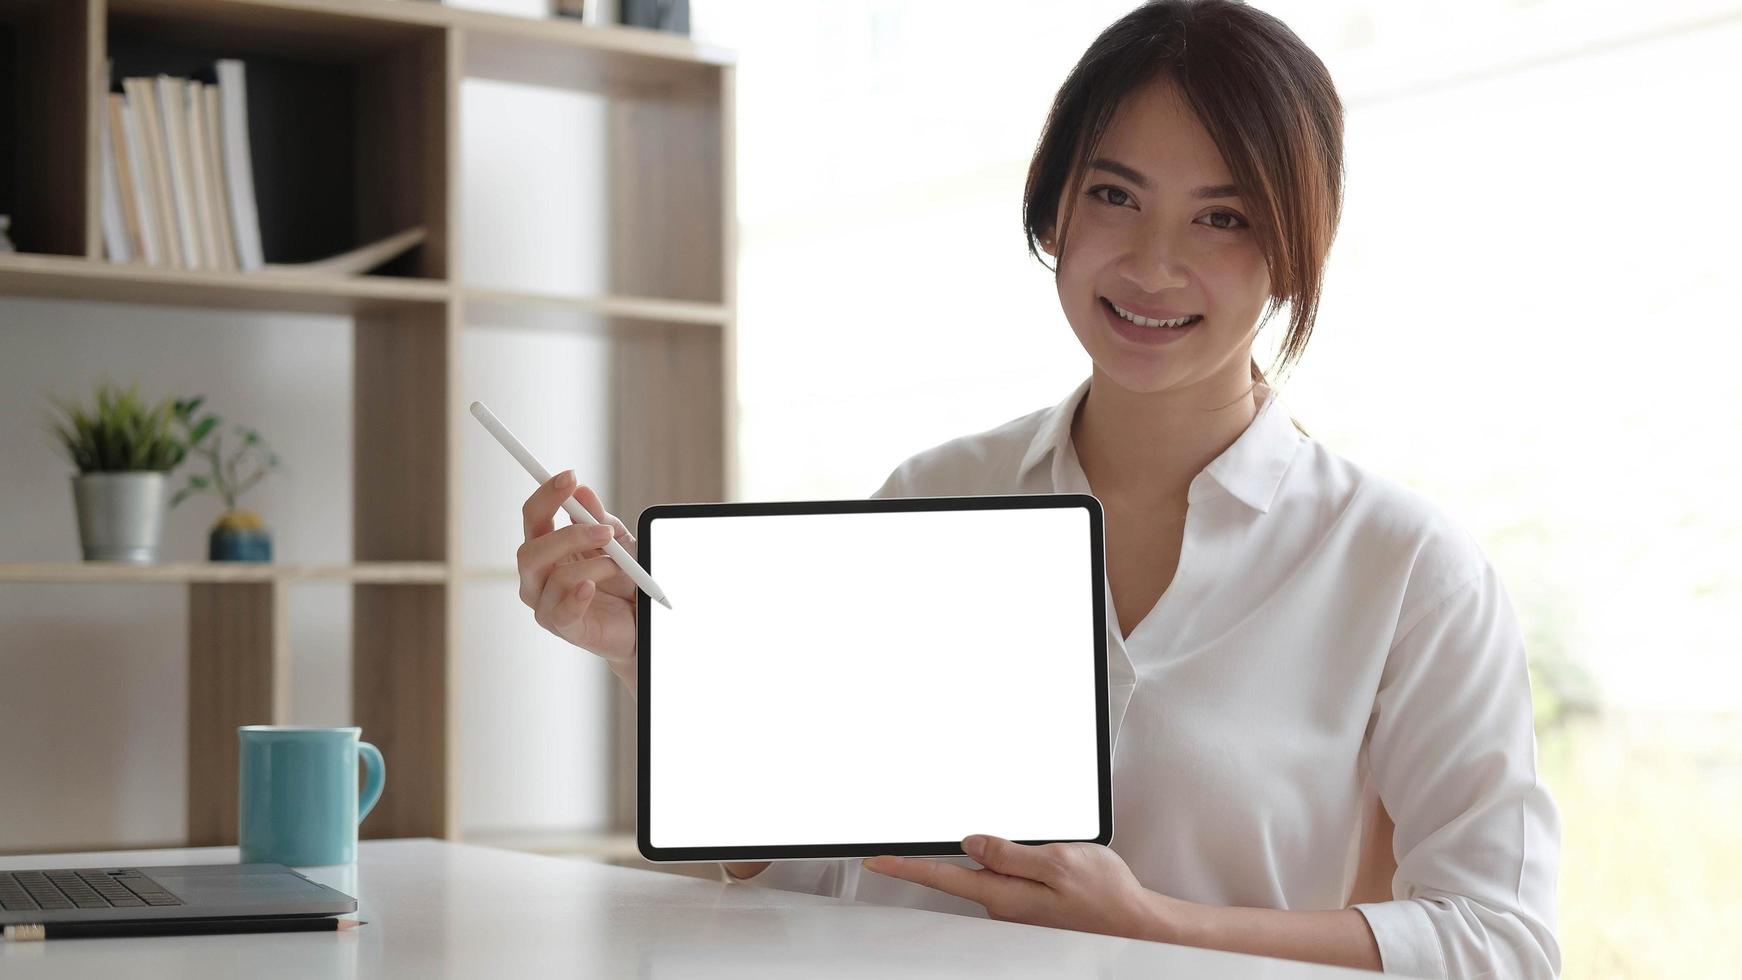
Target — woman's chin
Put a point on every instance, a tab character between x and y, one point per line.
1138	375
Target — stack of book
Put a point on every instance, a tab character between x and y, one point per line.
178	177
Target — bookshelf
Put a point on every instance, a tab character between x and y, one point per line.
382	154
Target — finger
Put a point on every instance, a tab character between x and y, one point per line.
985	886
538	514
572	613
570	608
596	507
599	569
570	540
536	558
1036	863
563	583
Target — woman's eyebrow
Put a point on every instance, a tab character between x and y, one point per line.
1202	193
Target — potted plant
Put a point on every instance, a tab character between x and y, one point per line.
123	449
238	535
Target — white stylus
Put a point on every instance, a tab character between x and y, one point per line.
624	559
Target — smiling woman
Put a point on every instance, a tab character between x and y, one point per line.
1248	114
1318	700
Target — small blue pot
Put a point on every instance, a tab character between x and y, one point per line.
230	544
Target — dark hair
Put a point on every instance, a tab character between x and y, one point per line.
1268	104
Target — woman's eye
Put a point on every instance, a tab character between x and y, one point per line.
1227	214
1111	190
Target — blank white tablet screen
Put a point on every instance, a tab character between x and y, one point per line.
872	678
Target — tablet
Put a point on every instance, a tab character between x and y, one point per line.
846	678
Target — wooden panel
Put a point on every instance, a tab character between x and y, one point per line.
399	678
732	481
668	443
94	88
237	661
665	226
625	748
673	234
667	447
400	447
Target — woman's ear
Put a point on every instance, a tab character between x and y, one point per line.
1046	245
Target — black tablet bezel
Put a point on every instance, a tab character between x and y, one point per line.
645	548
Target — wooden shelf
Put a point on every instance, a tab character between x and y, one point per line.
182	572
357	16
381	154
521	306
70	277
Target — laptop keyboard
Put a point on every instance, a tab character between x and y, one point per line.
23	891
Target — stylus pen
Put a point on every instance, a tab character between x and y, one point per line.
171	927
624	560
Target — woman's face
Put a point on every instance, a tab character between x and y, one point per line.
1153	234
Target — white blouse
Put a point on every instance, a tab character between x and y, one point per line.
1329	634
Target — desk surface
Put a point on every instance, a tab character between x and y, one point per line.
437	909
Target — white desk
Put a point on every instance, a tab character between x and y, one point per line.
436	909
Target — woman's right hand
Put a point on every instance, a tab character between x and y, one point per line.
572	587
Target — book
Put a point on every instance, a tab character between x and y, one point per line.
215	168
194	151
239	162
114	226
142	95
358	260
172	108
116	105
139	185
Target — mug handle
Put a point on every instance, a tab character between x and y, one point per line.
374	778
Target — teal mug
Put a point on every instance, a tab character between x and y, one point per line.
297	799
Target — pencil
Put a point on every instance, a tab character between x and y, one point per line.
172	927
624	560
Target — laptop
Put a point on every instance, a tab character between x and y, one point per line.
164	895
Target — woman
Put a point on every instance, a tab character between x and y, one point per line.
1323	744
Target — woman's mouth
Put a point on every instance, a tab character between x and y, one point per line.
1146	335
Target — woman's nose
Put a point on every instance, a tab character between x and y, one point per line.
1154	264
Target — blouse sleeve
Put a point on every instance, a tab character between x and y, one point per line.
818	877
1453	753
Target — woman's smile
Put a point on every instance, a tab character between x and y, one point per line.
1144	336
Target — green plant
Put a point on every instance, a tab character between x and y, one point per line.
225	479
121	434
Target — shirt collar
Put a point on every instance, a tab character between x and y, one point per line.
1250	470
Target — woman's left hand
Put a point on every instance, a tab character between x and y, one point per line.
1074	885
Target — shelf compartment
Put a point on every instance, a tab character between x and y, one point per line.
644	167
65	277
44	47
348	117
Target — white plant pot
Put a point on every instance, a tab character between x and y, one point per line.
120	515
